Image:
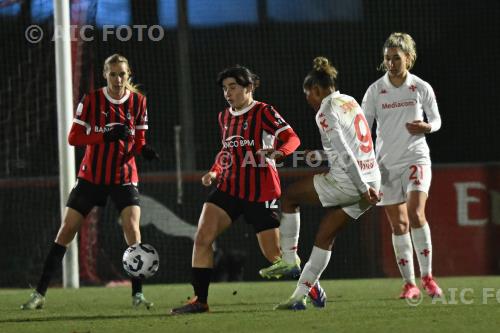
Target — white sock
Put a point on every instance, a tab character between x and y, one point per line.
289	236
403	250
423	247
312	271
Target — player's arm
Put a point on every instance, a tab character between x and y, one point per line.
369	106
81	135
216	169
142	148
334	134
141	125
274	123
430	107
290	141
78	135
81	131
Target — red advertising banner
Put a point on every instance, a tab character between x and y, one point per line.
463	212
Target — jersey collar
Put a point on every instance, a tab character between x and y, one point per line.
334	94
116	101
407	83
242	111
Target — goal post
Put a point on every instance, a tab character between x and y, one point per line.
64	117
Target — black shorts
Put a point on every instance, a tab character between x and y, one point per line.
85	195
262	215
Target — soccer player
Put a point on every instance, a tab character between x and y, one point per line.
398	101
247	180
347	190
111	123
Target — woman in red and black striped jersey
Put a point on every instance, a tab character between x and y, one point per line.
248	184
111	123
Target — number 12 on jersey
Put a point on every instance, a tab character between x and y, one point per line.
272	204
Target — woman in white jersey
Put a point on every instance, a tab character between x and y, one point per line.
347	190
398	101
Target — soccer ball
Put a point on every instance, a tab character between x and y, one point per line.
141	261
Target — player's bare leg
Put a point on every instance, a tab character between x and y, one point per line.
213	221
70	226
299	193
403	248
421	235
130	217
269	244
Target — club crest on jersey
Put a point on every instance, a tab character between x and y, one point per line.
245	125
412	87
128	116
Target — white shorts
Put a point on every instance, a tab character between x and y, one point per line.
331	194
398	182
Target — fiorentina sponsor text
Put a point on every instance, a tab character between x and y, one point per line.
399	104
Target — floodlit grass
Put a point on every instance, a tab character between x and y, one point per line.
353	306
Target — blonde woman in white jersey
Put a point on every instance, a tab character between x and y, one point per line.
397	102
347	190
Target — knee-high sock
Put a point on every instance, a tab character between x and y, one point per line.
312	271
403	250
200	281
52	262
289	236
136	285
423	247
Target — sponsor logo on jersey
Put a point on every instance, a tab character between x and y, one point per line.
399	104
104	129
237	141
366	164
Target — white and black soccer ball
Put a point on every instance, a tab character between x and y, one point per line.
141	261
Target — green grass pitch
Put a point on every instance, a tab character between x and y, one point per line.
471	304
